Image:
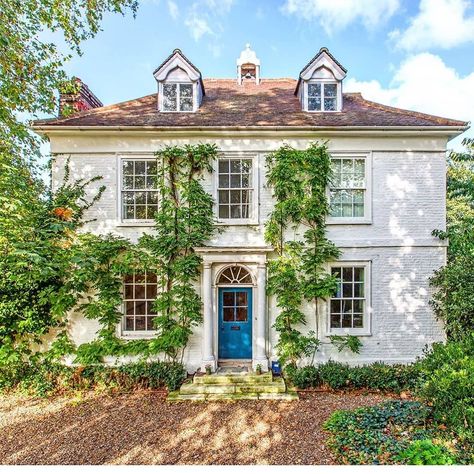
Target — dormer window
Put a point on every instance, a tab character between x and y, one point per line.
322	97
319	87
178	97
180	87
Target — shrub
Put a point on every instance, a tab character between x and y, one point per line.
43	379
448	385
378	434
424	452
377	376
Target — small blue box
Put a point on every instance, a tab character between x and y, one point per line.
276	369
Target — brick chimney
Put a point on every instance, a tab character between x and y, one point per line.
75	96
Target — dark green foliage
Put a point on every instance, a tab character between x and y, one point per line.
184	221
376	376
453	300
353	343
299	179
45	379
448	385
379	434
424	452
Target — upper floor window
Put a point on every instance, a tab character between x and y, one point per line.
235	191
139	193
139	294
322	97
348	310
348	193
178	97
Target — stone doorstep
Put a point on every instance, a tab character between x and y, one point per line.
232	379
229	397
273	387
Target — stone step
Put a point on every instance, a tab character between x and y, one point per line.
201	397
229	378
278	386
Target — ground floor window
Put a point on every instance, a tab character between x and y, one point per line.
348	307
139	292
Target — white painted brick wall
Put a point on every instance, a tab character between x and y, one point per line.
408	195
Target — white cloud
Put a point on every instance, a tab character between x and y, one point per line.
173	9
337	14
423	82
197	25
439	23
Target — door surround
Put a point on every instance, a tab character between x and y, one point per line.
215	261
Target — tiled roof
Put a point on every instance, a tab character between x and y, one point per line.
269	104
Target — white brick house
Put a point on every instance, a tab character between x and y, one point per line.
388	197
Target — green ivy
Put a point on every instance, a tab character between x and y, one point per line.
299	179
353	343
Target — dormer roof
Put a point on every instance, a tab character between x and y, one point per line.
323	59
178	60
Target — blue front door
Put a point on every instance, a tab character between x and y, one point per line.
235	323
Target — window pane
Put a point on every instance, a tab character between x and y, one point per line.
235	212
128	182
235	197
346	320
139	292
149	324
130	307
223	166
335	321
235	166
336	306
347	274
140	212
314	104
186	90
241	298
235	180
358	290
330	90
150	307
127	168
228	314
140	323
129	324
151	168
329	104
358	274
140	307
228	298
139	182
241	314
128	292
358	321
358	306
170	97
185	105
151	292
223	181
152	198
128	212
224	197
245	211
347	306
140	167
246	181
224	212
314	90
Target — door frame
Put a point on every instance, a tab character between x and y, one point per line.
247	286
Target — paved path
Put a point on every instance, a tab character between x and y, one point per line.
142	428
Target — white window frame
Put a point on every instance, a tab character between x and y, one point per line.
121	331
178	90
253	218
366	329
367	217
122	221
323	82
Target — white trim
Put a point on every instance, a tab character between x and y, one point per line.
253	218
322	82
366	330
367	218
121	222
178	90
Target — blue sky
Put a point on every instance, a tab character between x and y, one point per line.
408	53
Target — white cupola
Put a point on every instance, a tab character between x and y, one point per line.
248	66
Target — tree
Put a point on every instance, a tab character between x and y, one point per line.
31	69
453	300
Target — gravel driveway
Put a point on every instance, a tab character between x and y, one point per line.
142	428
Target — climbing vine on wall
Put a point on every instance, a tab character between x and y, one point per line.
183	222
297	231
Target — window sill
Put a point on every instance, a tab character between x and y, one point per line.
137	335
348	332
135	224
231	222
348	221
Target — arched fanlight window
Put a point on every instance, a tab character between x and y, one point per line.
235	275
